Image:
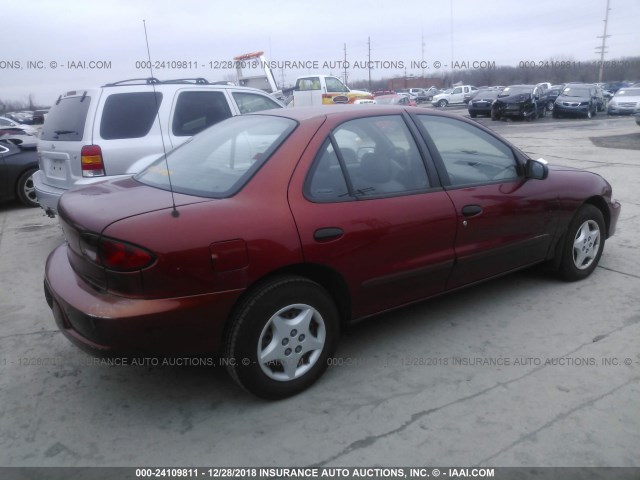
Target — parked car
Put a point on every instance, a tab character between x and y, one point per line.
456	96
624	102
17	165
19	137
613	87
397	99
419	95
576	99
383	92
294	222
6	123
39	116
482	102
520	101
97	133
431	92
553	93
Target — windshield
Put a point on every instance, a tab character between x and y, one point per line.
628	92
576	92
486	94
219	161
507	92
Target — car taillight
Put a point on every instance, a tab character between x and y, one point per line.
114	254
91	161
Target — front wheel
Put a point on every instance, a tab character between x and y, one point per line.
583	245
442	103
281	337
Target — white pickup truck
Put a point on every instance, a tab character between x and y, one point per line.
326	90
456	96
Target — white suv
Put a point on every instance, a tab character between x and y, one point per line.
92	134
456	96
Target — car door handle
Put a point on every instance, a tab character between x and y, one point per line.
329	233
471	210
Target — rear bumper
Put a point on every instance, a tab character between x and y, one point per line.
47	195
104	324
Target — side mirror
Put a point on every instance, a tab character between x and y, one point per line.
536	169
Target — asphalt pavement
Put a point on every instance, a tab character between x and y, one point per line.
525	370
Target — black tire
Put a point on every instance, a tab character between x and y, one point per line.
473	115
549	106
25	191
585	235
442	103
282	302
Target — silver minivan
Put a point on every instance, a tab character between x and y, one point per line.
93	134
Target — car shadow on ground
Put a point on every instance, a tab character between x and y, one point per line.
630	141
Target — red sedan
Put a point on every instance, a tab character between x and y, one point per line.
265	234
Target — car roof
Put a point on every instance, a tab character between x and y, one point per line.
160	86
348	111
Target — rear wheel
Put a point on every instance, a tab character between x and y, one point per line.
583	245
25	190
281	337
550	105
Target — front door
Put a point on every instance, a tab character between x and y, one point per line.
504	221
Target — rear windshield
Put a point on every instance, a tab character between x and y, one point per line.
66	120
219	161
129	115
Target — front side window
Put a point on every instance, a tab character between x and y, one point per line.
252	102
335	85
196	111
378	155
129	115
219	162
470	155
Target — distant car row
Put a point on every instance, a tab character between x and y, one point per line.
531	101
29	117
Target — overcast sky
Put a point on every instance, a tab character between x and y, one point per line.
53	34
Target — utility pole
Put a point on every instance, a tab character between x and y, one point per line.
369	64
422	55
345	64
603	47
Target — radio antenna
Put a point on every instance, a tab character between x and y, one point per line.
152	80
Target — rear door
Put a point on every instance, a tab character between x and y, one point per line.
366	207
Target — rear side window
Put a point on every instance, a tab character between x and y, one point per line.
66	120
375	156
196	111
252	102
129	115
